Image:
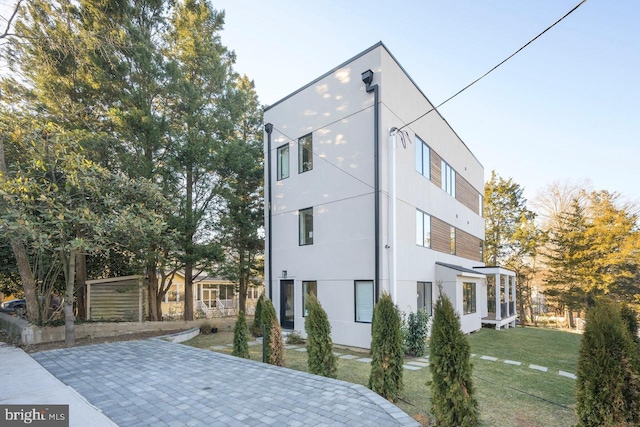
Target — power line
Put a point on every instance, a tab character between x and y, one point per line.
491	70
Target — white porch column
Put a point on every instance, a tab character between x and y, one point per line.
498	285
507	281
513	291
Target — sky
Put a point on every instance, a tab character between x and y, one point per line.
565	108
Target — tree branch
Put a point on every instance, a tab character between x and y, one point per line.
13	15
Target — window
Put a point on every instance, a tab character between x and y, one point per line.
453	240
305	153
283	162
481	250
480	205
448	181
468	297
306	227
423	158
364	300
424	297
423	229
311	288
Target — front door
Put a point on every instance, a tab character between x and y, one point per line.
286	304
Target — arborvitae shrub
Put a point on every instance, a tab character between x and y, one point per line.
321	359
256	326
453	401
630	318
268	316
275	346
608	385
387	356
241	337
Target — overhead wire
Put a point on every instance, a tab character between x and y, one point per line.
495	67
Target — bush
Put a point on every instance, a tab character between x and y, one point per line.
630	318
241	337
268	316
386	350
256	326
415	328
608	385
275	347
205	328
321	359
453	399
294	338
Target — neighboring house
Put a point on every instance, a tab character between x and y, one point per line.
213	296
352	212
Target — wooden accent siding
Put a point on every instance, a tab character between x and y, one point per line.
466	194
440	235
467	246
436	169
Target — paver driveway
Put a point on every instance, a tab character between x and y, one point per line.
154	382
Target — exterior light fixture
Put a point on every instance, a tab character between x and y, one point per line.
284	273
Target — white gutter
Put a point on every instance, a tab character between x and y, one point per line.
392	217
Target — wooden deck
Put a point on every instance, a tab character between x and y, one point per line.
505	322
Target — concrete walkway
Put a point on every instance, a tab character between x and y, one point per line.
157	383
24	382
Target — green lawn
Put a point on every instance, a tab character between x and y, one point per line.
508	395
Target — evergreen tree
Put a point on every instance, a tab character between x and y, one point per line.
241	337
256	326
387	356
268	317
275	354
608	385
452	393
321	359
630	318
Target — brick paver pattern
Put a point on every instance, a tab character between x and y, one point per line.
157	383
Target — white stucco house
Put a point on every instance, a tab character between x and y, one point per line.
360	199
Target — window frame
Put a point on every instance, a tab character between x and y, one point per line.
279	173
355	300
424	286
306	283
421	146
469	297
426	234
447	178
302	165
305	239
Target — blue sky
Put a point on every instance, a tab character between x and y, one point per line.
566	107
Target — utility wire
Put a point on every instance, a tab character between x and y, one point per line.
488	72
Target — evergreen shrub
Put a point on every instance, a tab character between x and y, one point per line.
241	337
321	359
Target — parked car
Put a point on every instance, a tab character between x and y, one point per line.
17	306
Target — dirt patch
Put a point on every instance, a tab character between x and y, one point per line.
88	341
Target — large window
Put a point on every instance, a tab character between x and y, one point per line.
423	229
453	240
283	162
423	158
305	153
480	205
448	177
306	226
468	297
424	297
364	300
308	288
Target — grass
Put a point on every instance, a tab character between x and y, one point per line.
508	395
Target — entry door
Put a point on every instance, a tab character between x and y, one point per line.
286	304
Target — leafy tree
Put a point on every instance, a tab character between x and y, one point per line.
241	337
268	317
200	77
452	393
321	359
387	357
256	326
608	385
415	330
240	210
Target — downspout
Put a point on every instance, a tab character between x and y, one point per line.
269	128
393	275
367	78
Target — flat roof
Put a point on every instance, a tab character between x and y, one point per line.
364	52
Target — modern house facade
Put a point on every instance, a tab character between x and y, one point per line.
358	204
